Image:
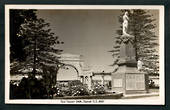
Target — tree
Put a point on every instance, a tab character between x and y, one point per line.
17	17
141	26
40	49
38	44
41	45
17	42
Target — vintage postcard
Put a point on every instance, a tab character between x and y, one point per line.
84	54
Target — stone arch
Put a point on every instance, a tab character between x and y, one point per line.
77	63
72	67
74	61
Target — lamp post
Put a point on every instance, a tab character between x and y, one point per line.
103	78
58	67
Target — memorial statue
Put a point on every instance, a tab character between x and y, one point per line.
127	78
125	23
126	36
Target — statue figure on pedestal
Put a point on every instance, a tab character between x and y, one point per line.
127	78
125	23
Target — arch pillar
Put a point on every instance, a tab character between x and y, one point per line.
82	79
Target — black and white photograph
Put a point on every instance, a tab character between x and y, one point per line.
84	54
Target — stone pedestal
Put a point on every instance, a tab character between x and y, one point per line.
127	79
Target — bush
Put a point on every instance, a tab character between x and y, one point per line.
78	91
98	89
76	88
29	88
151	84
58	92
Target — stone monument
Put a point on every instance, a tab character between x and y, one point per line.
128	79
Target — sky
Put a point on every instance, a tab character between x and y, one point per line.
87	32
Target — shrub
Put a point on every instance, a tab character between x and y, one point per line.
29	88
98	89
76	88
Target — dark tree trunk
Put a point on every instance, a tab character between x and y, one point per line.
35	56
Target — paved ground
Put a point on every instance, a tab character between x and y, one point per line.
154	90
145	95
153	94
146	99
151	100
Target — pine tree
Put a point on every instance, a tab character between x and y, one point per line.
41	45
141	26
17	42
39	48
17	17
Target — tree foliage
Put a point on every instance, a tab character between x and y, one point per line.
34	50
17	17
142	27
39	46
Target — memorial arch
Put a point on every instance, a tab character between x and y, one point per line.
67	72
72	61
76	62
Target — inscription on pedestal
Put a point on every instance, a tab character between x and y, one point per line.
117	82
135	82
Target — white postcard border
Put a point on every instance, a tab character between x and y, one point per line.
161	100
